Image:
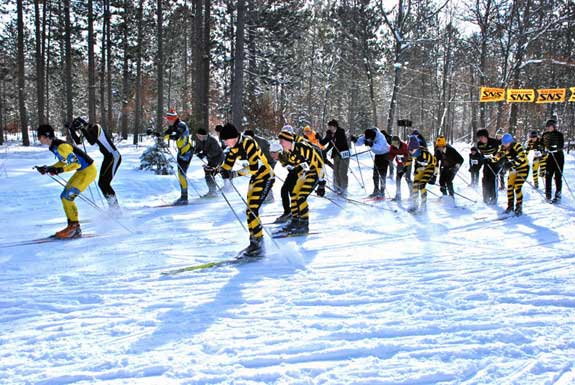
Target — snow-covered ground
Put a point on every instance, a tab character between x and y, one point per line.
374	297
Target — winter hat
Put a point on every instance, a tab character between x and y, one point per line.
533	134
482	132
249	133
172	114
218	127
288	128
307	129
473	149
333	123
46	130
286	136
413	143
551	122
202	131
440	141
275	147
370	133
506	138
229	131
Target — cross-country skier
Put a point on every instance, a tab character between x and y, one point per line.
398	151
450	161
535	144
179	131
69	158
488	147
424	172
308	164
518	166
336	140
376	141
208	148
95	134
475	160
553	142
261	181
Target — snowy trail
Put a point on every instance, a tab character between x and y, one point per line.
376	298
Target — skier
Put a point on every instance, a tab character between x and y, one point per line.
419	137
281	156
312	137
261	181
450	161
180	132
518	170
474	165
265	148
398	151
553	143
374	139
336	139
95	133
308	164
69	158
535	144
207	147
424	166
488	147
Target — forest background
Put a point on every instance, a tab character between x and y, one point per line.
264	63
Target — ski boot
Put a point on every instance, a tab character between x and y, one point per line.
183	199
300	227
518	211
72	231
283	218
210	194
375	194
557	198
255	248
509	209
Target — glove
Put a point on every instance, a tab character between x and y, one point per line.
54	170
209	170
228	174
201	155
304	166
290	167
78	123
41	169
320	190
353	138
432	179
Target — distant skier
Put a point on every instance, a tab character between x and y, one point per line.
474	165
376	141
424	172
553	142
535	144
449	161
399	151
488	147
308	163
518	166
95	134
208	147
261	181
336	140
69	158
180	132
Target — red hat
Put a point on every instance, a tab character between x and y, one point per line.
172	114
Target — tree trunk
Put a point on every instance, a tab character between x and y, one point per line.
40	37
125	72
238	81
160	59
68	63
48	45
102	73
2	103
205	97
22	77
91	65
108	19
138	120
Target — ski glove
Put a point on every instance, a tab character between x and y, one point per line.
42	169
432	179
228	174
320	188
54	170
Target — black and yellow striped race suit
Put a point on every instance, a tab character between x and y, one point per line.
424	166
181	134
262	179
517	158
539	159
72	158
308	163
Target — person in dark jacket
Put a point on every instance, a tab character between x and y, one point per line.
336	139
450	161
553	143
399	151
208	148
474	165
489	147
95	134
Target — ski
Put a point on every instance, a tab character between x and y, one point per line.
374	199
51	238
210	265
287	235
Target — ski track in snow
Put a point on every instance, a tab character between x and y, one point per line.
378	297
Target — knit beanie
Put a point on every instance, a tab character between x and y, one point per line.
229	131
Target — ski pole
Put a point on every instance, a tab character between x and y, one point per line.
61	181
358	166
317	196
356	202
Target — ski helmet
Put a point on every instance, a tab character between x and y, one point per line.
506	139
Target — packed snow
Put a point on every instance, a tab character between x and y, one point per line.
374	296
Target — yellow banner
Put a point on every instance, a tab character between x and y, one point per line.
520	96
492	94
572	98
551	95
